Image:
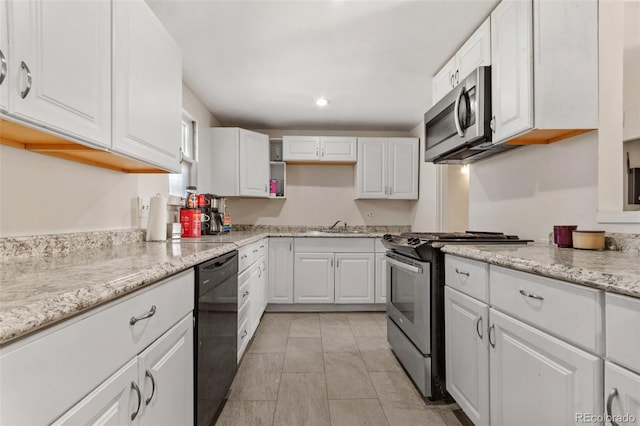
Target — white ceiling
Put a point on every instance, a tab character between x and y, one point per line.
262	64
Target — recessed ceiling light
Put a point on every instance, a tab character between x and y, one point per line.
322	102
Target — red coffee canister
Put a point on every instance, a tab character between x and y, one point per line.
190	221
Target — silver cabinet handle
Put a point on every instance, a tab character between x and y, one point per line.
317	152
612	394
244	256
337	263
149	314
458	271
244	334
479	327
245	294
289	246
492	342
390	190
451	80
3	67
331	262
259	272
456	114
255	250
262	246
322	152
531	295
153	387
265	187
492	124
457	76
137	389
27	89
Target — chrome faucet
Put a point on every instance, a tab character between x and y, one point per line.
332	227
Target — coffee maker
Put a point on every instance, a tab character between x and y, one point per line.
215	211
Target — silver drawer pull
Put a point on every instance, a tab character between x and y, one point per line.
458	271
612	394
245	294
244	256
149	314
137	389
25	92
531	295
3	67
244	334
479	327
492	342
153	386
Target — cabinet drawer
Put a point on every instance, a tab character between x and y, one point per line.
566	310
97	345
243	336
334	245
245	257
243	288
623	338
467	276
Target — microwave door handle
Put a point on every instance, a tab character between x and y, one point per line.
404	266
456	112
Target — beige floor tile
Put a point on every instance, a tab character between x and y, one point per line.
302	400
347	377
338	338
366	325
304	355
369	343
331	318
396	388
258	378
397	416
381	317
247	413
275	323
305	325
268	343
380	360
351	412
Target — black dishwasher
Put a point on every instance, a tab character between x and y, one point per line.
216	332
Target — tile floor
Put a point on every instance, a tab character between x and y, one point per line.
326	369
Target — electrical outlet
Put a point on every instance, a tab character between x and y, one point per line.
143	207
369	216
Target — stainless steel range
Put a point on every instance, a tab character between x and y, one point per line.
415	301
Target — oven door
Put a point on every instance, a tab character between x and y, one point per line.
408	298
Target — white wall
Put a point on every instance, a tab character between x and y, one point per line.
320	194
47	195
530	189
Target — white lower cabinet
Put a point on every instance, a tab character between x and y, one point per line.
467	354
280	270
354	278
537	379
156	387
622	394
313	280
252	290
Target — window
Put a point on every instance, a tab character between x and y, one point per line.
178	182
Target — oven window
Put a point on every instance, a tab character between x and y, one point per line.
403	292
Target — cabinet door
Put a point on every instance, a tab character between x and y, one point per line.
264	285
280	270
512	68
475	52
371	168
254	164
255	298
65	46
536	379
622	391
403	169
301	148
111	403
147	87
467	354
336	148
313	278
4	53
166	377
381	278
354	276
442	82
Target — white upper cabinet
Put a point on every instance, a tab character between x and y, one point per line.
544	76
4	53
319	148
239	162
387	168
147	87
475	52
59	66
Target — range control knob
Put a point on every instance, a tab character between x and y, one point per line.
414	241
387	237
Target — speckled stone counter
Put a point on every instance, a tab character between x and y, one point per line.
43	280
614	271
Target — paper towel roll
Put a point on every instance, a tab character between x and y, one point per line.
157	226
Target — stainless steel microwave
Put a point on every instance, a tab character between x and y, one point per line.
458	127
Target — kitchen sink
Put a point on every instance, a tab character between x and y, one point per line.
332	233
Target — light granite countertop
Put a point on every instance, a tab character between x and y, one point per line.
613	271
38	291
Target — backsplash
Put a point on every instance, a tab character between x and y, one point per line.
302	228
